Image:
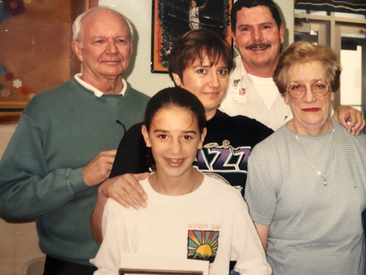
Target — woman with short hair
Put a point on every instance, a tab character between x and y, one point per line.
306	182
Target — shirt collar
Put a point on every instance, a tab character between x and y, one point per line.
97	92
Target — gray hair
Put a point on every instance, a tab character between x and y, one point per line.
76	26
304	52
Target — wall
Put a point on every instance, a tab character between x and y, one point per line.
19	241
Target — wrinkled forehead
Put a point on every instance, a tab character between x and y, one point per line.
305	69
104	19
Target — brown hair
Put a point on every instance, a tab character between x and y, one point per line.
304	52
178	97
239	4
197	44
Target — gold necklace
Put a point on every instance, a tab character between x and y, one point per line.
317	172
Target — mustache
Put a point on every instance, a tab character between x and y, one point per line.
258	46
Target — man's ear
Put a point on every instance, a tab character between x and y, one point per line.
203	135
131	47
145	134
177	80
233	37
282	34
75	45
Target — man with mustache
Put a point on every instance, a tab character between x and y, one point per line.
64	145
258	35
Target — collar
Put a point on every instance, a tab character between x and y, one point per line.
97	92
239	74
239	69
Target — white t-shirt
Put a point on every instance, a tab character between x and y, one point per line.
213	220
263	85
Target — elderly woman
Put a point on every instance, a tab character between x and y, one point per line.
306	182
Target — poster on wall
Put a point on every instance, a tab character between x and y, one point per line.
173	18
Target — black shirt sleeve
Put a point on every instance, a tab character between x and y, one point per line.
132	153
262	131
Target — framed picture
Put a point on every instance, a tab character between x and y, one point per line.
172	18
130	271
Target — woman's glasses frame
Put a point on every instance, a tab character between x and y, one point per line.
298	90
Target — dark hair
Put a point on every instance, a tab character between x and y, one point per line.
177	97
303	52
197	44
239	4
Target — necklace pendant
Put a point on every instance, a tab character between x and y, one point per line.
325	182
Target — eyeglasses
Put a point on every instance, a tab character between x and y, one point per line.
298	90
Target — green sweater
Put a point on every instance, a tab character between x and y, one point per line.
41	172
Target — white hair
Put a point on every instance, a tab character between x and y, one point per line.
77	25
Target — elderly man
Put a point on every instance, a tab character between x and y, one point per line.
258	35
64	145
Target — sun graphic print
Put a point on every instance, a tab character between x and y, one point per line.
203	245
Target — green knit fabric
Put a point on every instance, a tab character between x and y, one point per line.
59	132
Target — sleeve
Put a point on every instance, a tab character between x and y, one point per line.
132	153
260	193
107	259
247	248
262	132
27	187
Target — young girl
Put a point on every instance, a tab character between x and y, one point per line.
188	215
